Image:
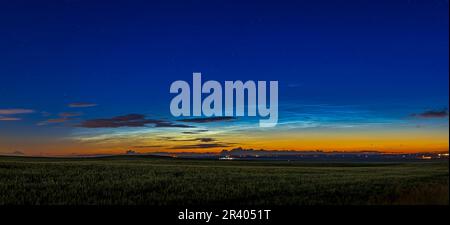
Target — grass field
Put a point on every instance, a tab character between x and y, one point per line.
136	180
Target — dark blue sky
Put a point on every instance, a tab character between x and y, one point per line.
386	56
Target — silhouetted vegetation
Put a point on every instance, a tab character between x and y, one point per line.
132	180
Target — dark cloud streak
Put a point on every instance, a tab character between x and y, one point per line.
81	105
130	120
432	114
201	146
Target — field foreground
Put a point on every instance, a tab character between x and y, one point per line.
138	180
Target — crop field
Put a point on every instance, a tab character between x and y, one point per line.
140	180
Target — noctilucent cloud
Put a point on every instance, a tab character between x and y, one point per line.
86	77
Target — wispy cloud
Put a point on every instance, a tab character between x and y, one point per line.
130	120
170	124
200	143
53	121
57	120
15	111
208	119
81	105
10	114
202	139
69	114
148	146
3	118
63	117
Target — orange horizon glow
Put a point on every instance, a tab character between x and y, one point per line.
385	142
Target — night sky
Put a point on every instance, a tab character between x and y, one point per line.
93	77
